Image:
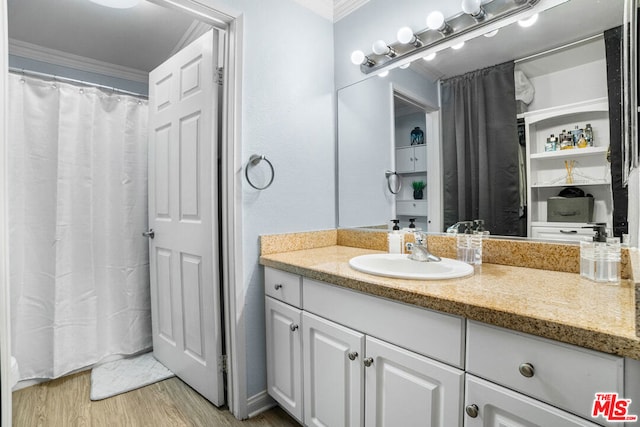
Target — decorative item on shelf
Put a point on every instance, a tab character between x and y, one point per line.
552	144
417	136
588	134
418	186
569	165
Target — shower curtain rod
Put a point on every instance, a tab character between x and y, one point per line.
69	80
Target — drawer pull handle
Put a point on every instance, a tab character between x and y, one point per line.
353	355
368	361
526	369
293	327
569	231
277	286
472	410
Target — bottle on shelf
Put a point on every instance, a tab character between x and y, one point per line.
588	135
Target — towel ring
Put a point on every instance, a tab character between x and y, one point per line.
388	174
253	161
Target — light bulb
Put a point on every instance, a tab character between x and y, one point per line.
430	57
457	46
357	57
384	74
405	66
405	35
528	21
491	33
435	20
380	47
471	7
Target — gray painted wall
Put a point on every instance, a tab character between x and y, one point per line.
287	115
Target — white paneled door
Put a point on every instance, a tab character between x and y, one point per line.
183	251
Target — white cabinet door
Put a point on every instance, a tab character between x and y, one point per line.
404	160
406	389
489	405
284	355
333	374
420	158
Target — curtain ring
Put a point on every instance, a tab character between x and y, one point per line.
388	174
253	161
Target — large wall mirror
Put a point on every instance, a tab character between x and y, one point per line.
565	75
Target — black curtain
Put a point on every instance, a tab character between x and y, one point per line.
613	49
480	149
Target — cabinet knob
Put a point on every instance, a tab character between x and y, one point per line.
353	355
293	327
277	286
368	361
472	410
526	369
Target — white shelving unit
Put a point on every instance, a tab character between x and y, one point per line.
547	171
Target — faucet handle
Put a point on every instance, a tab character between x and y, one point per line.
419	237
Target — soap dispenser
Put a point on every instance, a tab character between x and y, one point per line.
395	238
600	256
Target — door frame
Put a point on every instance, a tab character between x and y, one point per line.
5	301
220	15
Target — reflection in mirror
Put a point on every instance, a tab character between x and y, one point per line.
571	81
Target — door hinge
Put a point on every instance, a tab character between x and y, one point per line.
220	75
222	365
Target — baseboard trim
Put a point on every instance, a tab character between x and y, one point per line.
259	403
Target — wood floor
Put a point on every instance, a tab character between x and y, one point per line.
65	403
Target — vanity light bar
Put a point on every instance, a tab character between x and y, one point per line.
460	24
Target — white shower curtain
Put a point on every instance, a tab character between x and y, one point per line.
78	205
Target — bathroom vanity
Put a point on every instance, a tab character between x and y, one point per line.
507	346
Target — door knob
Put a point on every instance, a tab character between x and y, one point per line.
150	234
526	369
472	410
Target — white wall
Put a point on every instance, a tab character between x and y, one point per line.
288	116
571	85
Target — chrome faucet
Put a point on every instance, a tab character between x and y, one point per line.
419	251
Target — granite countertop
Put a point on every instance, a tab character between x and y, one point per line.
556	305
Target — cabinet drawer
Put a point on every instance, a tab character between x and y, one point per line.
283	286
412	208
500	406
432	334
563	375
561	233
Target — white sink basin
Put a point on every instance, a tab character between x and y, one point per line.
400	266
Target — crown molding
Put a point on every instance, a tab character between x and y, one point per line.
323	8
342	8
195	30
64	59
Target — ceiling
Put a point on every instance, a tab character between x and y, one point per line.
135	40
141	38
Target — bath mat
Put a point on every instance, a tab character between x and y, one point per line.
121	376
